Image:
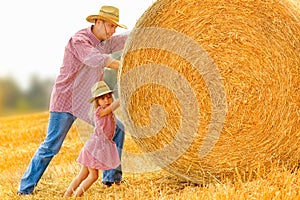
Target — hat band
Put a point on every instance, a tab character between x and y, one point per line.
115	16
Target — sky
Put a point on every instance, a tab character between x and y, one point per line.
34	33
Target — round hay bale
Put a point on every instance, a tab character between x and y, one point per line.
208	87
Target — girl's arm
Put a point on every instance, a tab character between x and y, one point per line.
112	107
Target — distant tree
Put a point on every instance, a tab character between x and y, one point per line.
14	100
11	95
38	93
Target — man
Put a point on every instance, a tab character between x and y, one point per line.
86	55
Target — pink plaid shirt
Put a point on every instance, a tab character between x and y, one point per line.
83	65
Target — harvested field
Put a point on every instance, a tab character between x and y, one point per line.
21	135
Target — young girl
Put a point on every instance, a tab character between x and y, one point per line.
100	152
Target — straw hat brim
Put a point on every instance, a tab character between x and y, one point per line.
98	95
92	19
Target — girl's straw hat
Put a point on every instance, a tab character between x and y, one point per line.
109	13
100	88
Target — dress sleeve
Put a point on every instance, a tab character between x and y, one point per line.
97	111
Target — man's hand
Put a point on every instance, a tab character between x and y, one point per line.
112	63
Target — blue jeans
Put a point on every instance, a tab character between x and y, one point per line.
58	127
115	175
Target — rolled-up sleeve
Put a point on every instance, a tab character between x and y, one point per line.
87	53
115	43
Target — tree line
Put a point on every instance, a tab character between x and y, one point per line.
14	100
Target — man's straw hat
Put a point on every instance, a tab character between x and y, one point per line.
108	13
100	88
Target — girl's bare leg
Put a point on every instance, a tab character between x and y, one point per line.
84	172
86	183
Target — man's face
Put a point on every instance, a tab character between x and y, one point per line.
109	28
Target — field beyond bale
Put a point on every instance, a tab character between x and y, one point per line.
20	136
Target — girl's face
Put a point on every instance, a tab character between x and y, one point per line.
105	100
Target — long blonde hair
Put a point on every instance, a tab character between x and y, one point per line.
94	106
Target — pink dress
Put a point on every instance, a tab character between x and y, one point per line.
100	152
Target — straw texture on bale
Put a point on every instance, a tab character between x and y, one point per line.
208	87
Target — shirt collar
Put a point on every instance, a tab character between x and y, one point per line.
93	38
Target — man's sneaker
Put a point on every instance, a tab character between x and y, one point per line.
107	183
19	193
